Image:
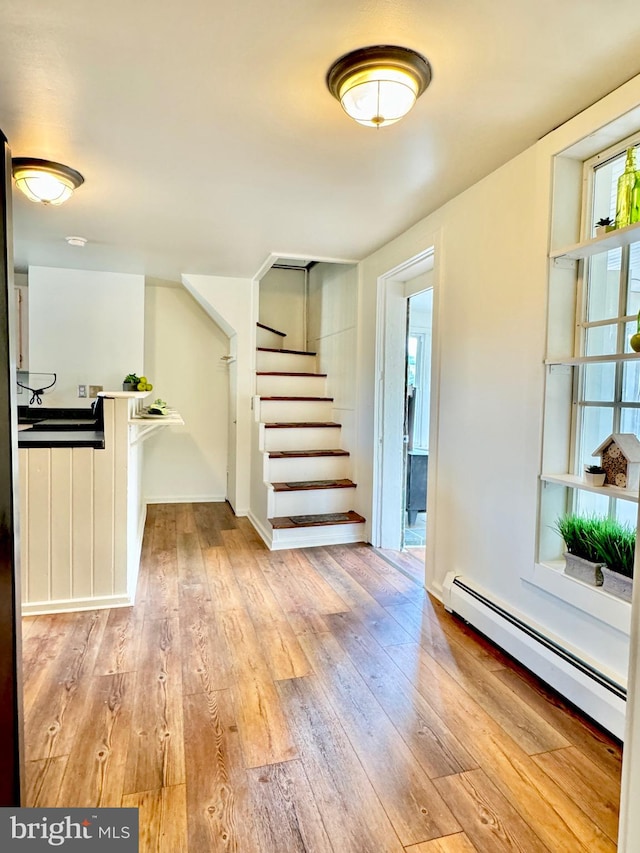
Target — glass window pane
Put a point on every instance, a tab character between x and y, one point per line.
603	292
597	424
629	421
599	382
590	503
633	296
631	381
602	340
626	512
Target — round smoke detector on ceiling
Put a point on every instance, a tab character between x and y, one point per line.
76	241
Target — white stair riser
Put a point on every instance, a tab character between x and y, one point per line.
265	338
310	537
302	438
307	468
291	386
310	501
294	411
286	362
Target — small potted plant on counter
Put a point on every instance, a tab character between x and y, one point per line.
604	225
594	475
133	382
582	557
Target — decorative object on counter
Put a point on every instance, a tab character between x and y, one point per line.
24	377
594	475
620	457
133	382
628	194
634	340
582	558
604	225
158	407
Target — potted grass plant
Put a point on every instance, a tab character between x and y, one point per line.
582	557
604	225
616	547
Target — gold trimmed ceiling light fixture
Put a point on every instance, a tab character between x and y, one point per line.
378	85
45	181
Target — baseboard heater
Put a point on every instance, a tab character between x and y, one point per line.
596	694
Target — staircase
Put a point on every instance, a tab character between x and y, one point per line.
304	474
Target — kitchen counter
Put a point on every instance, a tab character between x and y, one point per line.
61	437
60	428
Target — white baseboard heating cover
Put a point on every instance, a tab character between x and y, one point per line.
598	695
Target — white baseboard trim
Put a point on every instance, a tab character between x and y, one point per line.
100	602
185	499
599	694
263	532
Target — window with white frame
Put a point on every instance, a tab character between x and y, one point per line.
606	394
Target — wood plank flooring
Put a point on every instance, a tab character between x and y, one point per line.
311	701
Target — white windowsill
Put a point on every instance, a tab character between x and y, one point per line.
576	482
550	577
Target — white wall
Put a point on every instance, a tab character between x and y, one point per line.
283	305
331	329
491	273
85	326
233	304
183	358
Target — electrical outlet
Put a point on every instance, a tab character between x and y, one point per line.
93	390
82	390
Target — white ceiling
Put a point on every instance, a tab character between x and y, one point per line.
208	139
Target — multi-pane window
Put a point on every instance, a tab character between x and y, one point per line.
607	393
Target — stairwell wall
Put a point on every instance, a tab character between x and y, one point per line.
332	308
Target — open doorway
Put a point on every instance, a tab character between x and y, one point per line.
417	417
395	289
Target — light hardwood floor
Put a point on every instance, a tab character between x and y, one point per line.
313	700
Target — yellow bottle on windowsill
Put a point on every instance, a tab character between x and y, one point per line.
628	195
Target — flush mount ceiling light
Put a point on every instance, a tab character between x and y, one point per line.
378	85
44	181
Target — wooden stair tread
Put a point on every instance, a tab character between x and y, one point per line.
308	485
283	373
305	425
294	454
301	399
269	329
320	520
288	351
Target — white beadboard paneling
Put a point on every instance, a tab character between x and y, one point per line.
23	463
103	509
61	515
82	504
122	510
39	535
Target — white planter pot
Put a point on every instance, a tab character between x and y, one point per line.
583	570
601	230
594	479
617	584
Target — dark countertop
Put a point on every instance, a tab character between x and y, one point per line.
61	438
60	427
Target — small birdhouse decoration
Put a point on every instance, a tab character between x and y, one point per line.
620	458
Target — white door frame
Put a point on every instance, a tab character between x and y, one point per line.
391	313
